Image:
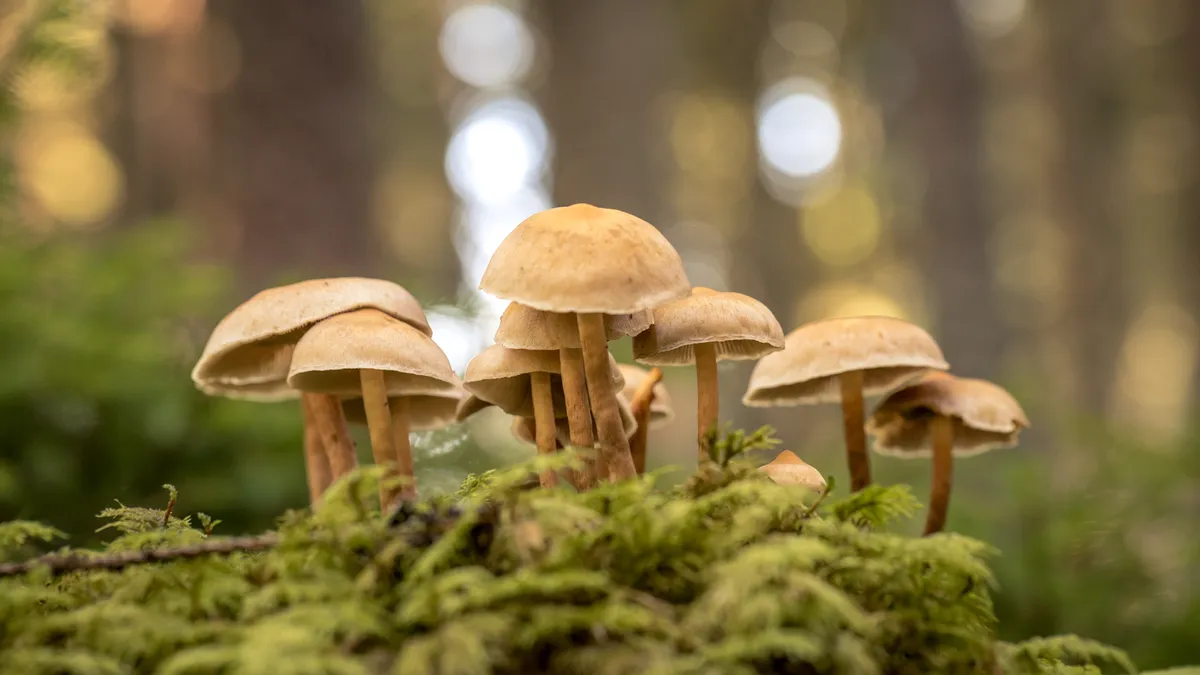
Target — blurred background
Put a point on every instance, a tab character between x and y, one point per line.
1019	176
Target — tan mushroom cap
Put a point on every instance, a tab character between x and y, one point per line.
523	327
583	258
425	411
661	412
986	417
250	350
890	352
468	406
738	326
501	376
329	357
788	469
522	427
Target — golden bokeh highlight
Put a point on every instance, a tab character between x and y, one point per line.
69	172
710	137
410	206
1154	373
844	229
844	299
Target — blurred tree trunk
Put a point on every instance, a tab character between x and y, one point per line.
292	167
943	119
1097	308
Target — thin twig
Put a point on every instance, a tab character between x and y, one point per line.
74	562
820	498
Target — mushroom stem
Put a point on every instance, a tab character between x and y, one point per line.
614	446
856	434
579	412
643	397
403	447
379	422
707	405
942	432
544	430
316	464
334	432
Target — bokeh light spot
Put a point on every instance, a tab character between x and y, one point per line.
70	173
799	131
501	147
843	230
486	45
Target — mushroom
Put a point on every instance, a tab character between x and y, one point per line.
842	360
371	355
788	469
942	416
523	428
249	352
651	406
591	262
523	327
701	329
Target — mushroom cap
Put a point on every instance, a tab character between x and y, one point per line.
425	411
329	357
583	258
523	427
738	326
250	350
986	417
468	406
788	469
501	377
889	351
661	412
523	327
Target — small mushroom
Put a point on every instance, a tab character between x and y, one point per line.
841	360
371	355
942	416
651	405
661	412
702	329
523	327
591	262
249	352
788	469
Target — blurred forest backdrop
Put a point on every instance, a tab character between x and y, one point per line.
1020	176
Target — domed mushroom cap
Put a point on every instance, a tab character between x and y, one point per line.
738	326
501	376
788	469
986	417
583	258
522	427
329	357
425	411
523	327
250	350
260	392
890	352
661	412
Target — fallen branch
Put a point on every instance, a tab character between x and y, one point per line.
74	562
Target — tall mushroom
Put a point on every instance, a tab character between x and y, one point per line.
788	469
523	327
590	262
249	352
371	355
651	405
841	360
942	416
702	329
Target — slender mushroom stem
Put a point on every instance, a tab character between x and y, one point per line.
579	412
335	433
942	431
643	397
379	422
403	447
856	434
614	446
706	395
316	464
544	429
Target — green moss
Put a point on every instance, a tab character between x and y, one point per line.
729	573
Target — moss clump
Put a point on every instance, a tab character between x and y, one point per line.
729	573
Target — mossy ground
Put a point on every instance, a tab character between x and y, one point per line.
729	573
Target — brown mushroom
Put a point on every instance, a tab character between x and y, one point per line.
943	416
841	360
788	469
590	262
651	405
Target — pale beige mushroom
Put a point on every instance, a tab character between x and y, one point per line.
661	412
940	417
249	352
788	469
371	355
706	327
651	405
840	360
590	262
